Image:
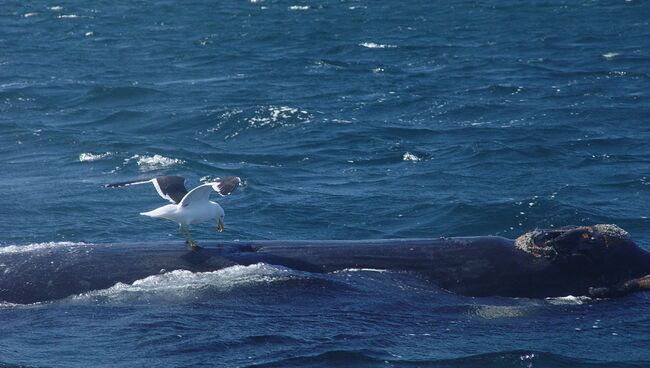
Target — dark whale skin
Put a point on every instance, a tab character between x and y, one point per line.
473	266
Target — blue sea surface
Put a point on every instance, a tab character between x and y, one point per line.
346	120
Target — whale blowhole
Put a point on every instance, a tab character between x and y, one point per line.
571	240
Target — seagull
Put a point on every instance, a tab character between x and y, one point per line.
187	208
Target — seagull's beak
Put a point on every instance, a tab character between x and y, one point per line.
219	225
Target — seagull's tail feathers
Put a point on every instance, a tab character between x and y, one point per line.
161	212
149	214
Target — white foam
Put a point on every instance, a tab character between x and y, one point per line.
89	157
299	7
372	45
610	55
27	15
7	305
278	115
408	156
525	357
68	16
155	162
56	8
361	270
569	299
183	283
498	311
13	249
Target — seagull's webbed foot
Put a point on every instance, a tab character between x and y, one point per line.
192	244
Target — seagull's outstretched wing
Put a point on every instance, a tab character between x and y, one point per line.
226	185
171	188
201	193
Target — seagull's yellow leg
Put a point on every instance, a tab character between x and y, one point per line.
185	231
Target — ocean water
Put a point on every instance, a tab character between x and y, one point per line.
346	120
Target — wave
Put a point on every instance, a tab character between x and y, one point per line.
100	94
233	123
155	162
195	81
569	300
408	156
35	247
372	45
9	365
183	284
345	270
116	117
499	311
515	358
88	157
282	115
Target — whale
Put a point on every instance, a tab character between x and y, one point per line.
598	261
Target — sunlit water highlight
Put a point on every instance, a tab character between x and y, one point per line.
346	120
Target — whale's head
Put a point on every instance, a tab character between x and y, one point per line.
604	249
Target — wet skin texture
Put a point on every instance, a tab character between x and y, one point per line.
573	261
